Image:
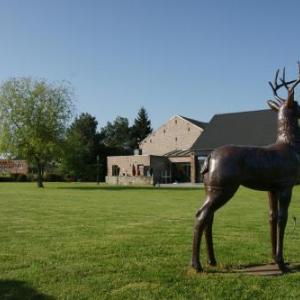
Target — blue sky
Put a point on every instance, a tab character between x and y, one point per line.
193	58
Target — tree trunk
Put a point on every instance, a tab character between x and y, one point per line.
40	175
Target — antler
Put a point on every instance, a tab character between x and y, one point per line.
275	86
296	82
290	98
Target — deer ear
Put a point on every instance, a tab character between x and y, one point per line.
273	105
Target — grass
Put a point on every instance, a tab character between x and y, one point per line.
80	241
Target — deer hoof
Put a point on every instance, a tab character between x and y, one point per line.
282	266
212	262
197	266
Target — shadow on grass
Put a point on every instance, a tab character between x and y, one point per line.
123	188
257	269
20	290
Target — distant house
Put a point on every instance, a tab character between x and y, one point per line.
9	166
177	149
164	155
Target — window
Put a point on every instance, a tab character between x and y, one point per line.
189	129
140	170
175	121
115	170
176	139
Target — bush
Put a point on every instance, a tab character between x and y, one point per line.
31	177
21	178
6	179
15	177
52	177
18	177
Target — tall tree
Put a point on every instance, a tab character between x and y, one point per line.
81	148
116	135
33	120
141	127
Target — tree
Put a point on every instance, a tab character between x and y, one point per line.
33	119
141	127
116	135
81	148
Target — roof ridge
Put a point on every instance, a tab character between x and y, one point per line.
198	123
242	112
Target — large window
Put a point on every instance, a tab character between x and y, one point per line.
115	170
181	172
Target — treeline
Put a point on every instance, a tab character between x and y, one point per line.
86	149
36	125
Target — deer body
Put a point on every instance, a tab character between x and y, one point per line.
273	168
259	168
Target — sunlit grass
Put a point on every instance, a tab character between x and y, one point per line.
80	241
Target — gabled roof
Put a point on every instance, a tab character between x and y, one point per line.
178	153
195	122
242	128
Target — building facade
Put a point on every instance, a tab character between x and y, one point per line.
181	145
9	166
178	133
164	157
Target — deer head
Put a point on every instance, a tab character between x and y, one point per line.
289	105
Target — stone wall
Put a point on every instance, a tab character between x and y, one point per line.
13	166
176	134
149	164
129	180
125	163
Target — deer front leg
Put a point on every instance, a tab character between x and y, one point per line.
273	214
284	201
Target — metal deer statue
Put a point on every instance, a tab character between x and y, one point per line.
273	168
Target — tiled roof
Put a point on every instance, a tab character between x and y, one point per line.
178	153
242	128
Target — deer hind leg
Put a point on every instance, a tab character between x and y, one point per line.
284	198
273	214
209	242
202	217
215	198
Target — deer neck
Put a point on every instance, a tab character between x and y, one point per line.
288	129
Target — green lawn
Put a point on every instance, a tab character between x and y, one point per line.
79	241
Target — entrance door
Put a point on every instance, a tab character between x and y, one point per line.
181	172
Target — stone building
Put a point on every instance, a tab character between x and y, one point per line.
8	166
164	155
177	134
176	151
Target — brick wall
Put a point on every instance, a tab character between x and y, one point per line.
129	180
13	166
125	163
176	134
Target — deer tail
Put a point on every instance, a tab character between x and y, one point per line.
205	167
